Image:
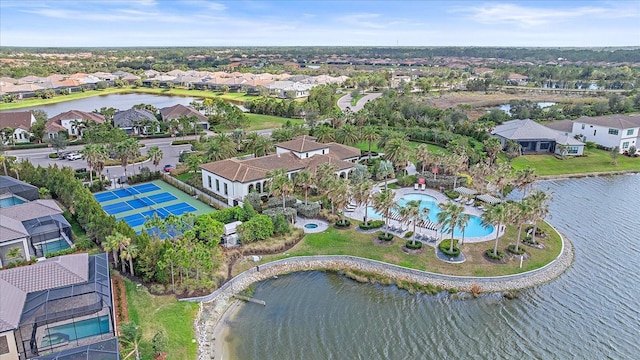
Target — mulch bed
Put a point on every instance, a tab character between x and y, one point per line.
120	301
383	242
413	251
496	261
341	227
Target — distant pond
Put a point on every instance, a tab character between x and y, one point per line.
118	101
507	108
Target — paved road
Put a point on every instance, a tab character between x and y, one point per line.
345	102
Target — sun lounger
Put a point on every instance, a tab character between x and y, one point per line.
458	198
423	187
415	186
470	202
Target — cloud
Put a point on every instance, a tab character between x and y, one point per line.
363	20
536	16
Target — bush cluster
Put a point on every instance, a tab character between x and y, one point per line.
446	244
408	180
408	234
182	142
512	249
385	237
343	223
309	210
412	246
144	176
372	224
499	255
451	194
275	202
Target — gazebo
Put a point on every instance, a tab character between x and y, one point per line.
488	199
465	191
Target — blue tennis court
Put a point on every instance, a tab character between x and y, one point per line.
161	213
143	188
136	203
107	196
162	197
117	208
180	208
134	220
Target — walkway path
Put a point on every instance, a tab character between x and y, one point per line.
344	102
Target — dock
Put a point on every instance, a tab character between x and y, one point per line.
255	301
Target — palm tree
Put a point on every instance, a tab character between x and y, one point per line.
130	336
524	177
448	217
3	160
129	252
325	176
155	154
384	171
324	134
495	215
7	135
77	124
388	135
455	163
384	202
397	151
262	146
339	195
362	195
463	221
93	153
193	163
423	156
369	134
127	151
279	184
521	212
540	209
492	147
411	214
347	134
114	243
14	253
304	180
15	167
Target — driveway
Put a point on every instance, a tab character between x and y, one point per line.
344	102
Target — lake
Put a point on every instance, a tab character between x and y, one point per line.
590	312
118	101
507	108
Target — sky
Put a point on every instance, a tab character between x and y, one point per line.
117	23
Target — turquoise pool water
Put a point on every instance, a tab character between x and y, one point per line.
10	201
54	246
473	229
78	330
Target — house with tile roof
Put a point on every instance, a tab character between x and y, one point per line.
609	131
136	121
20	122
71	121
179	110
535	138
57	306
234	178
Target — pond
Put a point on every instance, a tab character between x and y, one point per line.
118	101
507	108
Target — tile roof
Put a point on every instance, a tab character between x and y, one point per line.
253	169
127	118
16	119
302	143
11	229
562	125
343	152
52	273
76	114
31	210
524	130
176	111
618	121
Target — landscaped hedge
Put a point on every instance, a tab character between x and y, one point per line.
289	213
276	201
408	180
145	176
385	237
372	224
343	223
512	249
451	194
309	210
53	156
446	244
408	234
499	255
410	245
182	142
27	146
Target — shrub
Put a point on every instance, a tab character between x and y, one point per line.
407	180
276	201
260	227
309	210
446	244
451	194
412	246
253	198
499	255
83	243
53	156
372	224
512	249
289	213
385	237
343	223
408	234
183	142
66	251
281	225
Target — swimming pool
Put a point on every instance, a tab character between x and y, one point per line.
10	201
473	229
78	330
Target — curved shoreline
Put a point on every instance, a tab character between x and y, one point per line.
213	307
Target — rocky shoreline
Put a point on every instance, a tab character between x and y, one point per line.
212	309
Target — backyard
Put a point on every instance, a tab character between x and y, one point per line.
593	161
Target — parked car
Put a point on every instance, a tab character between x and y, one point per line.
74	156
168	168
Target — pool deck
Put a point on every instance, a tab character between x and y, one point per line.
301	222
358	214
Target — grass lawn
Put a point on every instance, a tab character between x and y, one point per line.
261	122
58	98
363	145
594	161
166	313
184	177
354	100
238	98
350	242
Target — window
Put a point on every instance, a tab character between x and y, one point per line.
4	345
544	146
613	131
217	185
573	150
323	152
209	182
226	190
625	145
307	155
630	132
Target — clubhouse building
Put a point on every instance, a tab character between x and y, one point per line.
234	178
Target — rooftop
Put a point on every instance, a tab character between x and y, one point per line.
618	121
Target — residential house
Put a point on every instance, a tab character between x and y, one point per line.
517	79
233	179
136	121
289	89
58	307
179	110
536	138
20	122
609	131
72	121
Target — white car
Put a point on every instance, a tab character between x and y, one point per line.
74	156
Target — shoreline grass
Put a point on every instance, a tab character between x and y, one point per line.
595	161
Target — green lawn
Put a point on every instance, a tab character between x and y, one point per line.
166	313
363	145
58	99
354	100
594	161
261	122
350	242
